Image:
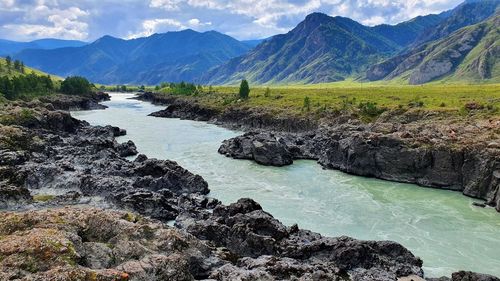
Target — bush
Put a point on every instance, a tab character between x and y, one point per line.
267	93
370	109
307	104
76	85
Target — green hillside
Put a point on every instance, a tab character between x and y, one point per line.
4	71
468	55
19	81
319	49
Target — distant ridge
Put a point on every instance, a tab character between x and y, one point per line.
8	47
171	56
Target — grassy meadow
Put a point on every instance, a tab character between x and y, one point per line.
371	97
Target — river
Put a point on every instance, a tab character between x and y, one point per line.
441	227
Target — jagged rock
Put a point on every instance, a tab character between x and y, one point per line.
66	102
265	149
95	244
247	231
398	151
468	276
11	196
127	149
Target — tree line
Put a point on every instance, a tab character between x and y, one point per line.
16	65
15	87
31	84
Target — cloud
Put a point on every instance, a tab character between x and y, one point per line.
152	26
46	20
243	19
197	23
169	5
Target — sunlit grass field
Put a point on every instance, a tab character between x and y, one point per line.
5	72
334	96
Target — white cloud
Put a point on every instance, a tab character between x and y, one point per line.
43	21
244	19
169	5
197	23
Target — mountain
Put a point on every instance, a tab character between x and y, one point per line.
8	47
469	54
252	43
171	56
468	13
404	33
319	49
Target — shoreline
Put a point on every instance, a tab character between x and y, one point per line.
388	150
234	241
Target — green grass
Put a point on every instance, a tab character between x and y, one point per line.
338	96
5	72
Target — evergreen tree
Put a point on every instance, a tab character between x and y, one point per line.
244	89
17	65
8	60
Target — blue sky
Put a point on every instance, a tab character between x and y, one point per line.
88	20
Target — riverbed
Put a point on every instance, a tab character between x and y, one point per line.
442	227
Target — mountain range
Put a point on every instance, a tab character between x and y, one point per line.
329	49
460	44
171	56
8	47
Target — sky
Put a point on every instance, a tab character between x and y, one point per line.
88	20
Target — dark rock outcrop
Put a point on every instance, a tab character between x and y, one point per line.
237	118
271	249
429	153
65	102
266	150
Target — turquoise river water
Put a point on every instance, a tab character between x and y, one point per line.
439	226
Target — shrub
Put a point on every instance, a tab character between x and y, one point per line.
370	109
267	93
307	104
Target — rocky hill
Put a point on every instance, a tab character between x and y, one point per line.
469	54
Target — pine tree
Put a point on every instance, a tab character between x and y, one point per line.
244	89
8	60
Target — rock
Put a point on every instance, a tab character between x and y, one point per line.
401	151
265	149
97	255
126	149
11	196
247	231
472	276
66	102
96	244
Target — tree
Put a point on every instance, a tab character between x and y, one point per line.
244	89
8	60
22	67
17	65
123	88
76	85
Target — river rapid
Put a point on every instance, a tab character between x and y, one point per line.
442	227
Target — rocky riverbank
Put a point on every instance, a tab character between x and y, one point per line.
75	209
431	149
